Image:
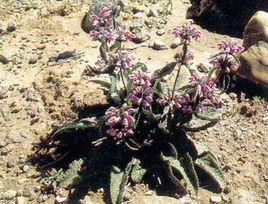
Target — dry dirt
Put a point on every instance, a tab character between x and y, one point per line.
35	95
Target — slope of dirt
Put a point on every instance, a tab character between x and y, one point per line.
36	95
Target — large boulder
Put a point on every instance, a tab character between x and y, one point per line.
256	29
227	16
254	63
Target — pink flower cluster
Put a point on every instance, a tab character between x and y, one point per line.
202	89
229	65
230	47
104	31
120	122
187	32
141	95
125	62
180	58
114	62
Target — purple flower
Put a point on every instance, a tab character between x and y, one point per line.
120	122
106	13
110	37
230	47
227	64
125	63
141	95
187	32
95	21
184	59
140	78
95	35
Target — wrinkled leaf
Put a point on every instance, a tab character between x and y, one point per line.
183	169
151	116
118	182
91	122
137	172
207	162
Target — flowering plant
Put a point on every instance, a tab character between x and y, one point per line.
226	63
141	133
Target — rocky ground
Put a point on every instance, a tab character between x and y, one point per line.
38	92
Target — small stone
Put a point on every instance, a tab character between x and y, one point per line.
61	200
138	15
158	45
233	95
160	32
3	59
20	200
10	194
215	199
32	60
11	26
25	168
11	164
41	46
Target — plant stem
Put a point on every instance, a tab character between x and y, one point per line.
185	49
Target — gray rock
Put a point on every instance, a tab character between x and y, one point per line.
256	29
254	63
11	26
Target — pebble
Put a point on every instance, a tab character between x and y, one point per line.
32	60
4	59
158	45
20	200
160	32
215	199
10	194
138	15
61	200
11	26
40	46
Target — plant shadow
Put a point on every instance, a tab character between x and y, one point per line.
59	151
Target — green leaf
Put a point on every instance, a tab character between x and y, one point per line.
207	162
137	172
157	88
118	182
160	73
114	93
104	84
91	122
71	177
183	78
185	168
209	113
151	116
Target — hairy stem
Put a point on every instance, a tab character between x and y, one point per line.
182	62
